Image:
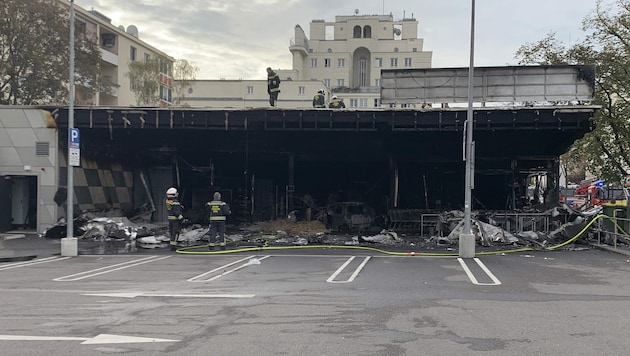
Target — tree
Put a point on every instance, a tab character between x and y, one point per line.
145	77
606	150
184	73
34	53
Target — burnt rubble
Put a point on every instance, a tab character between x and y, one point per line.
493	230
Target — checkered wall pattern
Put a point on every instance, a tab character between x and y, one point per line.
100	186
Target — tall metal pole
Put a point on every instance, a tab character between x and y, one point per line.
69	244
467	238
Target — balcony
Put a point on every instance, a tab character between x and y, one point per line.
109	57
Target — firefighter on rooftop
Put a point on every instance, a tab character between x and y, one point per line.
319	101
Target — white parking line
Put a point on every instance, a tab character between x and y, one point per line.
32	262
108	269
331	279
471	276
198	278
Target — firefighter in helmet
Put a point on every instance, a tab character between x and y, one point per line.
336	103
218	211
175	216
319	100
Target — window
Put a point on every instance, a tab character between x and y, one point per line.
394	62
133	52
367	32
330	32
377	102
378	62
147	58
363	74
414	49
404	106
341	82
353	103
392	105
313	62
250	89
356	32
363	103
341	62
327	83
301	90
165	94
327	62
377	82
407	62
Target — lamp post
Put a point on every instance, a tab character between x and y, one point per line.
467	238
69	244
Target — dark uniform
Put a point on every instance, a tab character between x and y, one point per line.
217	210
273	87
336	104
319	101
175	216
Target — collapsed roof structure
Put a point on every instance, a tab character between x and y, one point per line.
390	159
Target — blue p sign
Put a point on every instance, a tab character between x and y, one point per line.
73	137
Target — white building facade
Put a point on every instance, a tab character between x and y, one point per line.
347	55
119	47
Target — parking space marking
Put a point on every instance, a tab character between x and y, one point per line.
32	262
199	277
170	295
471	276
108	269
331	279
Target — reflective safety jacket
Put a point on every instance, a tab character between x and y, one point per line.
273	82
336	104
174	208
218	210
319	101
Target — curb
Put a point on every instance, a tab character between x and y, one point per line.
17	258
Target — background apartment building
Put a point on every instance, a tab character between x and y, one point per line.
347	55
344	58
119	47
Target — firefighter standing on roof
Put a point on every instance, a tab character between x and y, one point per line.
218	211
175	216
336	103
273	87
319	101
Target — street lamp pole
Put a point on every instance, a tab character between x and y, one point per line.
69	244
467	238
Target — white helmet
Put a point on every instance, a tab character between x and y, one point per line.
334	96
171	192
321	91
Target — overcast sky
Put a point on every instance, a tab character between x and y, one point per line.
208	32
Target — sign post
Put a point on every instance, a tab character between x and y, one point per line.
69	244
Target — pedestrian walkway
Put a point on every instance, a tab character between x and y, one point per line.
24	246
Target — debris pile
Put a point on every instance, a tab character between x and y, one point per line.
492	230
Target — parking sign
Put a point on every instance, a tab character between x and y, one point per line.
74	151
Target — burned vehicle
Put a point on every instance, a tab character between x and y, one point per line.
349	216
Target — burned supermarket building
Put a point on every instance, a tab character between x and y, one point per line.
268	162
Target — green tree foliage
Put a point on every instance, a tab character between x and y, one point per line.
184	73
146	79
606	150
34	53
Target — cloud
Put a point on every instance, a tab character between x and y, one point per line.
236	39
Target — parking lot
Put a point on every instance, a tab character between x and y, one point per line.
316	302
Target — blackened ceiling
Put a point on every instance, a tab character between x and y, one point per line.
337	150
